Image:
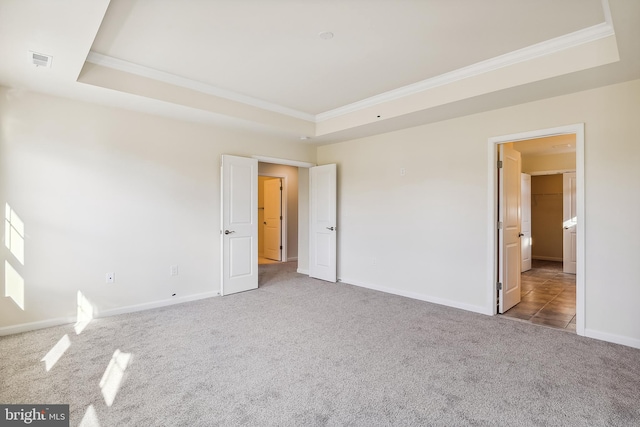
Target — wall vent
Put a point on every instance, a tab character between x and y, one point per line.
40	59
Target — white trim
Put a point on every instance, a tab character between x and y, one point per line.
32	326
286	162
492	218
26	327
140	70
417	296
528	53
303	271
155	304
567	41
617	339
607	12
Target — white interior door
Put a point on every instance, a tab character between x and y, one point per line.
525	240
569	223
239	224
509	258
273	219
322	227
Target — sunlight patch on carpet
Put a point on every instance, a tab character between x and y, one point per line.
84	313
113	376
90	418
56	352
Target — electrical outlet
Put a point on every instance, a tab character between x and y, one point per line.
111	277
174	270
403	171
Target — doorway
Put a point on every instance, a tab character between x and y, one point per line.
545	285
239	219
277	231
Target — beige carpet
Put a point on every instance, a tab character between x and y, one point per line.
299	352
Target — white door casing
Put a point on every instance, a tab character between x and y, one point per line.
322	224
509	259
578	130
569	223
525	202
239	224
273	219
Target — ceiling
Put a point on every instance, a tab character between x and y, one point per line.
262	65
556	144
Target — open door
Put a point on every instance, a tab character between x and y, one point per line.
273	219
509	234
239	229
322	227
569	223
525	203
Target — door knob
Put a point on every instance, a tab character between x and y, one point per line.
228	232
520	234
331	228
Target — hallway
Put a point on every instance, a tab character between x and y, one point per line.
548	296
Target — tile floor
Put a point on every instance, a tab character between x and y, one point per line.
548	296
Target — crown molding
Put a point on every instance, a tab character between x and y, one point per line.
130	67
538	50
547	47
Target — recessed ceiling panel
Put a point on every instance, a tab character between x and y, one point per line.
272	50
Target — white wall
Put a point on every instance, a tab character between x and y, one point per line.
103	190
424	234
106	190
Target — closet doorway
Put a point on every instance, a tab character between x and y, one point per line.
550	284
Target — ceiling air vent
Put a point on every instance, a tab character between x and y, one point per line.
40	59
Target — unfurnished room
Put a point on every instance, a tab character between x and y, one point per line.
320	212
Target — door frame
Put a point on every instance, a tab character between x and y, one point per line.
298	164
492	217
283	212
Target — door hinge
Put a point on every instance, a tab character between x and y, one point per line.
280	217
499	164
280	188
499	286
280	247
499	225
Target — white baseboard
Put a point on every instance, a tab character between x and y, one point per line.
155	304
303	271
292	258
421	297
547	258
616	339
32	326
25	327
